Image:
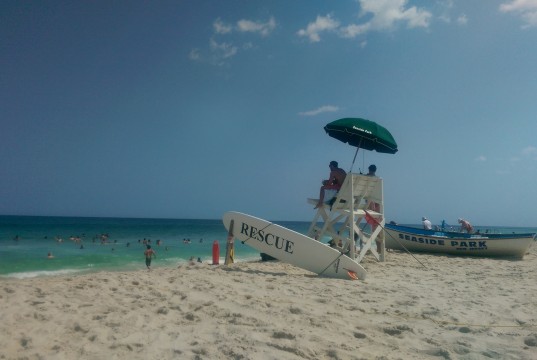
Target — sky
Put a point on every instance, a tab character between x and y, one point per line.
189	109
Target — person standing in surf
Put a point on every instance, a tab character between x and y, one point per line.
149	253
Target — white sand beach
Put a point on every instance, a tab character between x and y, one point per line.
456	308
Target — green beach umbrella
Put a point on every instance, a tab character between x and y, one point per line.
362	133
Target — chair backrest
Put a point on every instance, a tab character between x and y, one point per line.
363	188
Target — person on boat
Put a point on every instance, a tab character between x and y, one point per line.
466	226
332	185
426	223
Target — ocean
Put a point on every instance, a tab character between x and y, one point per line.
80	244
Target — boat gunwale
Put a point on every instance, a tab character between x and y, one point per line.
457	235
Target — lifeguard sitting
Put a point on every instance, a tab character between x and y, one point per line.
332	185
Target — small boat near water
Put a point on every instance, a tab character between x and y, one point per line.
456	243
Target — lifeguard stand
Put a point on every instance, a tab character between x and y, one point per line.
359	202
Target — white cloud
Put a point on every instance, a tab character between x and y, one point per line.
514	159
462	19
223	50
194	54
445	18
445	9
263	28
351	31
519	5
526	9
530	151
257	27
221	28
387	13
481	158
447	3
322	109
321	24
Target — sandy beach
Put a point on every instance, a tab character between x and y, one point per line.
455	308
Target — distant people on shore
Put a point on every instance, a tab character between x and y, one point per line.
466	226
426	223
331	186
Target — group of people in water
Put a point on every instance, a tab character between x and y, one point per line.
149	252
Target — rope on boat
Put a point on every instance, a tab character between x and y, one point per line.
385	232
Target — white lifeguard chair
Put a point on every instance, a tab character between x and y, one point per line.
359	202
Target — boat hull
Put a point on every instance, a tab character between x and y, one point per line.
494	245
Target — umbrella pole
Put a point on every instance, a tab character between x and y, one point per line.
356	153
352	244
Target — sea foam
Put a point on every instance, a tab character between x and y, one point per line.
33	274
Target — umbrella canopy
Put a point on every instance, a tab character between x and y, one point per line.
362	133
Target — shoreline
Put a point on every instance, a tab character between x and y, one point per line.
129	267
457	307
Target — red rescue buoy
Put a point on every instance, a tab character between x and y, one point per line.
216	253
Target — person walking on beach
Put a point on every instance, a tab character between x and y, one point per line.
149	253
332	185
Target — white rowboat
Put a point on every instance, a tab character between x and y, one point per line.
456	243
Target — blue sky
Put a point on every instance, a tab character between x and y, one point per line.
188	109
